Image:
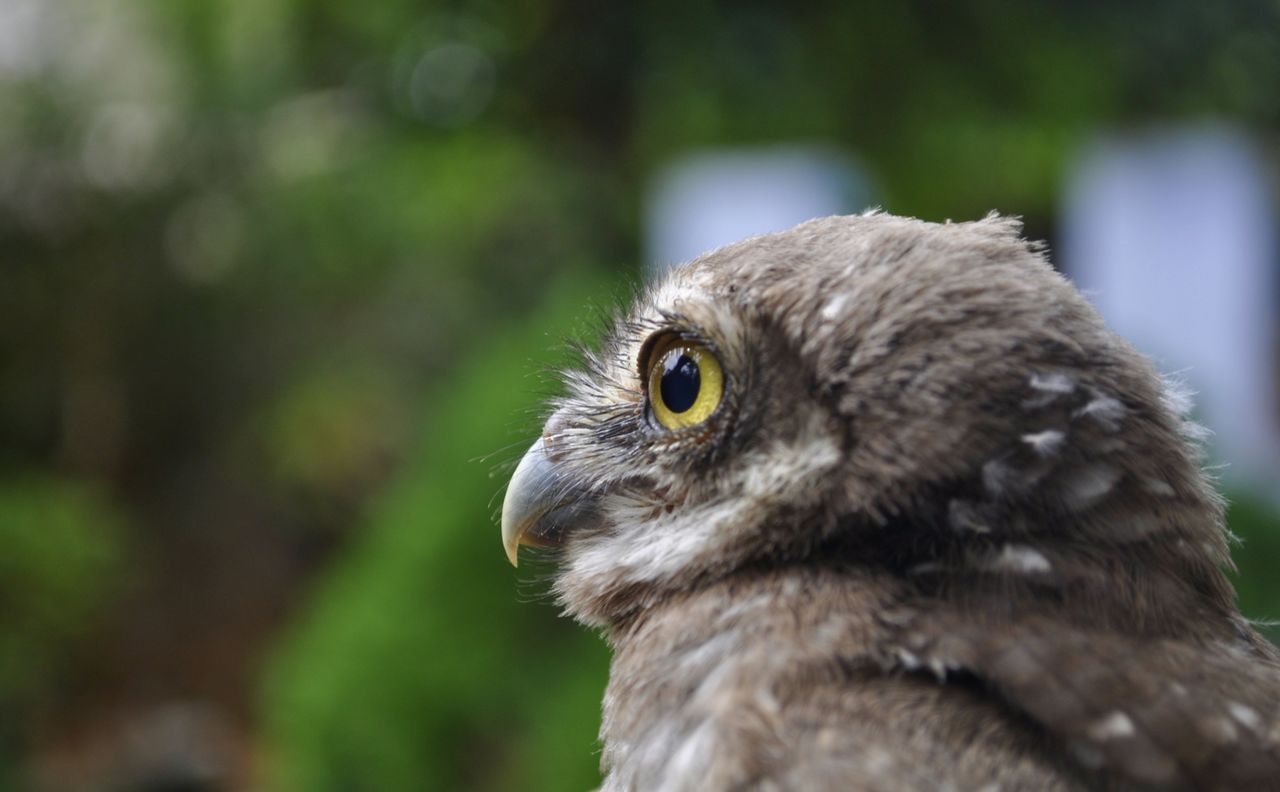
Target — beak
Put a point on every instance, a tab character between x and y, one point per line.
540	504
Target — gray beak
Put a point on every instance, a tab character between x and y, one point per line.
540	504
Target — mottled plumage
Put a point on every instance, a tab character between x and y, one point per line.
943	530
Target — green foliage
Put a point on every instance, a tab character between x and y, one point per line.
1256	522
418	662
62	543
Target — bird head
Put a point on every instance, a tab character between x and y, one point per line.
866	388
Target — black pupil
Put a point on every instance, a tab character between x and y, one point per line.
680	381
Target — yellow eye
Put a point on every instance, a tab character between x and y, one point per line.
686	384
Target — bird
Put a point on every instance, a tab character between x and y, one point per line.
875	503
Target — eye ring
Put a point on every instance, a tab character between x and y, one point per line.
685	383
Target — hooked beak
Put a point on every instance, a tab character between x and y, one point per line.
540	504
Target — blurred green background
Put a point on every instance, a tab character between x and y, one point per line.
279	280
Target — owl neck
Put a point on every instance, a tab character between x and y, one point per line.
691	669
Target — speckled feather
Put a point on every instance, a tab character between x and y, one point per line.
946	531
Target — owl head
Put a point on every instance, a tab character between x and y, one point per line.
927	398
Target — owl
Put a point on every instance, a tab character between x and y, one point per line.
881	504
